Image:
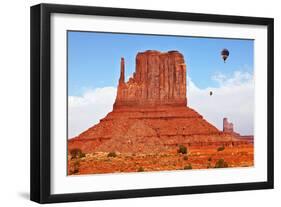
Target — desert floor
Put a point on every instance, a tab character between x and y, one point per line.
195	158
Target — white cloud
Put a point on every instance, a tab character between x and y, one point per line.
234	99
237	79
86	110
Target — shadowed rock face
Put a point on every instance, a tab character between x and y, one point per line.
160	79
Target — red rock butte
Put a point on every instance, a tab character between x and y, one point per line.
159	80
150	113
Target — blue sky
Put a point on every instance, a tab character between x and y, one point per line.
94	58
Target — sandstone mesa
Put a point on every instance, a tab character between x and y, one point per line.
150	113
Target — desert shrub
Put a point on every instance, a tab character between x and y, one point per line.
188	167
76	153
182	149
74	167
111	154
221	148
141	169
221	164
185	157
82	155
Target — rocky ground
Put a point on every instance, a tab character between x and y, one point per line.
201	157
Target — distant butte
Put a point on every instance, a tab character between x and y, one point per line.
150	113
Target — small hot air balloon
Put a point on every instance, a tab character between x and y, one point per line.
224	54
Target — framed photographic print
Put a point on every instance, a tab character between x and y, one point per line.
133	103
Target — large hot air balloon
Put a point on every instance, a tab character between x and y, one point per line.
224	54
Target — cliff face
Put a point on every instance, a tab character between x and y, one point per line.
160	79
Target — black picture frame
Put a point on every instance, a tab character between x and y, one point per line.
41	99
